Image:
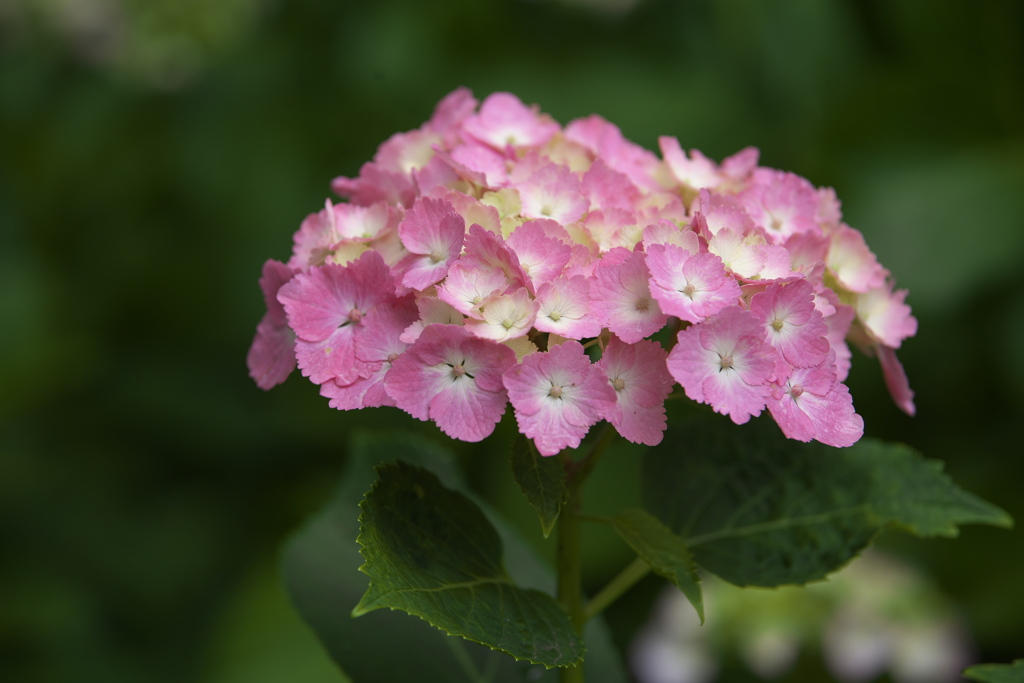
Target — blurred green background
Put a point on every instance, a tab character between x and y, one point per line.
153	153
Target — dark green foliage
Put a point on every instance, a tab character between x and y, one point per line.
762	510
321	569
542	481
430	551
663	550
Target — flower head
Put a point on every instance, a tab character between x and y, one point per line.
479	255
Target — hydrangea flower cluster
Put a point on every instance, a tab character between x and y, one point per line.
491	255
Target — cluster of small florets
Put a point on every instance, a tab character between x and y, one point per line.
491	255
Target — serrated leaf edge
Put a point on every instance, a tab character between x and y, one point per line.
360	609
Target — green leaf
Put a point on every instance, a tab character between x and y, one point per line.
541	479
759	509
997	673
321	564
915	494
430	551
663	550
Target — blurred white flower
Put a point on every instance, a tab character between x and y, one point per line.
876	616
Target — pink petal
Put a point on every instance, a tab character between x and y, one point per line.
323	299
564	309
896	380
557	396
642	382
607	188
451	112
274	275
813	405
885	315
724	362
689	286
433	232
621	299
791	322
852	263
271	357
553	191
364	392
504	121
453	378
782	203
376	184
332	358
540	256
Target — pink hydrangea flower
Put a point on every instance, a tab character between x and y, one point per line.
491	251
325	308
726	363
563	308
453	378
376	184
541	257
724	212
697	171
606	188
450	115
271	357
621	298
689	286
782	203
558	395
433	232
640	378
791	322
885	316
552	191
470	284
811	404
407	152
379	345
490	232
605	140
852	263
505	317
504	121
482	159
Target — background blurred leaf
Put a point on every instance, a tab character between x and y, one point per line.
997	673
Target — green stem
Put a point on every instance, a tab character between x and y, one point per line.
461	656
570	567
579	471
570	558
626	579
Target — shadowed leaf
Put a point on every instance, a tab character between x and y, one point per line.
542	481
321	564
430	551
759	509
663	550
